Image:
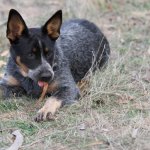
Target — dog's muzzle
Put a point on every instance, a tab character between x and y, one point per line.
46	76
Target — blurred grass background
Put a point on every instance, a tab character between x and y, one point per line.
116	112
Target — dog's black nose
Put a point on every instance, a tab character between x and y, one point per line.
46	77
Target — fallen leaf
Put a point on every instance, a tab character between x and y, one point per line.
18	140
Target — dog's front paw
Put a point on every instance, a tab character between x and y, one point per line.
48	110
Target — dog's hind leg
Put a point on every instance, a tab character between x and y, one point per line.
7	91
9	87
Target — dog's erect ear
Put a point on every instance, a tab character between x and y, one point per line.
52	26
15	26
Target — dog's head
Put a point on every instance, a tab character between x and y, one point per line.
34	49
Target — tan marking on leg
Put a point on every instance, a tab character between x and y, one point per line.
52	87
11	80
23	68
50	107
46	49
34	49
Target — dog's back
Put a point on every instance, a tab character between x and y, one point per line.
84	46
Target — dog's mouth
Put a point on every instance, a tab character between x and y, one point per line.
41	78
42	83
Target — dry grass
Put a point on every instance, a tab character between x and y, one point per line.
116	112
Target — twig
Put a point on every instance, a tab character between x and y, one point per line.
18	140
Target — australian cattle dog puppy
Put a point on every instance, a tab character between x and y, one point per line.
59	54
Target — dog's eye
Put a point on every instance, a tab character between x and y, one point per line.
31	55
48	55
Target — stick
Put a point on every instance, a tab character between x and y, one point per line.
17	142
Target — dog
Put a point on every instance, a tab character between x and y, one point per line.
60	54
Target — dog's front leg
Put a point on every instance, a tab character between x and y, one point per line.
50	107
65	95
